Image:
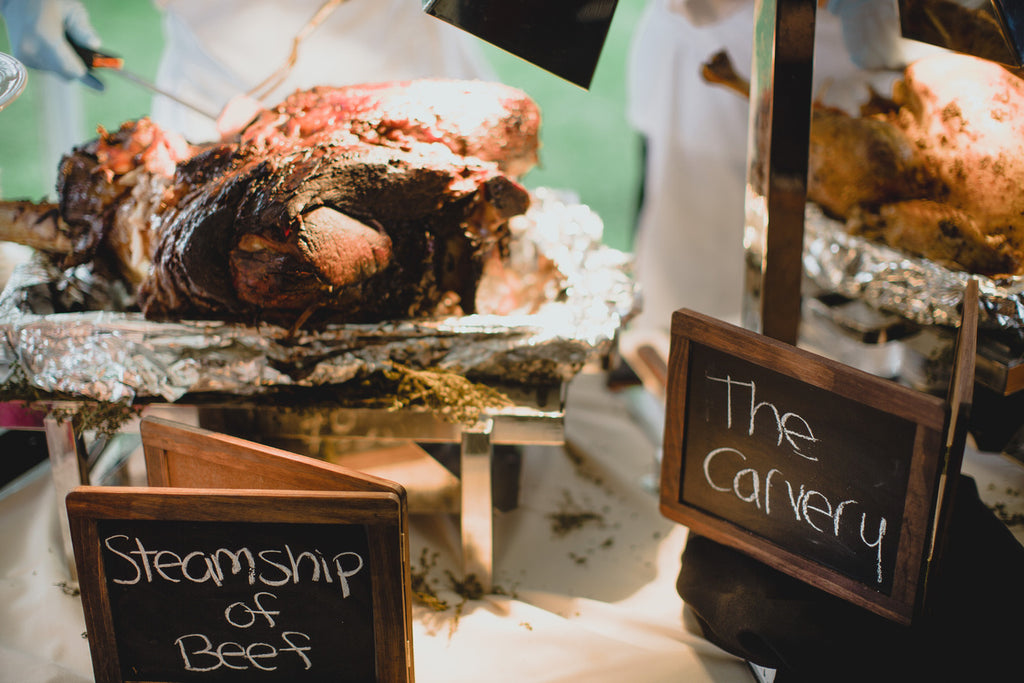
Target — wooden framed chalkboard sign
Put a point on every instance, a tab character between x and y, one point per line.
230	584
820	470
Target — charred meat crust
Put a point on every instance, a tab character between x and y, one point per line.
363	203
404	228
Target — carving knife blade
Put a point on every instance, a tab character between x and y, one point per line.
98	60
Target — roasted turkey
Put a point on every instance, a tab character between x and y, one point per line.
936	170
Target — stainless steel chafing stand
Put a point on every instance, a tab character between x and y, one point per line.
535	417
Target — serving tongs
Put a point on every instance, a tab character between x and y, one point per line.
95	59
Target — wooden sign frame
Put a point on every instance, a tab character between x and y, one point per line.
925	416
959	400
307	494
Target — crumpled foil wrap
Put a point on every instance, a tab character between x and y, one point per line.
920	290
68	332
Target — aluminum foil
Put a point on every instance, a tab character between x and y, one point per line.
918	289
558	306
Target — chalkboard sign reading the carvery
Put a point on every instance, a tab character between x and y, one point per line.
813	467
183	585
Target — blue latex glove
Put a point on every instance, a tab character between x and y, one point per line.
37	30
871	32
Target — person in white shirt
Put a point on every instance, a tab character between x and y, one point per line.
689	233
216	51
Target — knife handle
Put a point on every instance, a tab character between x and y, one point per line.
94	59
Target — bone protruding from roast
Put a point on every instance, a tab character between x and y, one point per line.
34	225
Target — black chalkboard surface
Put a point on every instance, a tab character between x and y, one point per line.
823	471
190	600
240	585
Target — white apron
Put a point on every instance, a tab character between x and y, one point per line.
217	50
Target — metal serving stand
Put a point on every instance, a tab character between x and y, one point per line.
535	417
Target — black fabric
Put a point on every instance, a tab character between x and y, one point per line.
972	629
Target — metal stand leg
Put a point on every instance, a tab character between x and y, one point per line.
477	511
69	468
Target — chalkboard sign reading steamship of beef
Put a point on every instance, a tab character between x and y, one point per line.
280	568
820	470
190	589
238	600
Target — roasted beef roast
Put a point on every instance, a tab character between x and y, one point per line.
353	204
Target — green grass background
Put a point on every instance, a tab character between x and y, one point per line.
586	144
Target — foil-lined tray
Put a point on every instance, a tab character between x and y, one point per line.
557	306
920	290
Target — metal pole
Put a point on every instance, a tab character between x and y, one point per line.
69	468
477	508
779	138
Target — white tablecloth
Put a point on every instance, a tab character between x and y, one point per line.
595	603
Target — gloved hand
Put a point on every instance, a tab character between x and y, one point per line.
871	32
37	28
